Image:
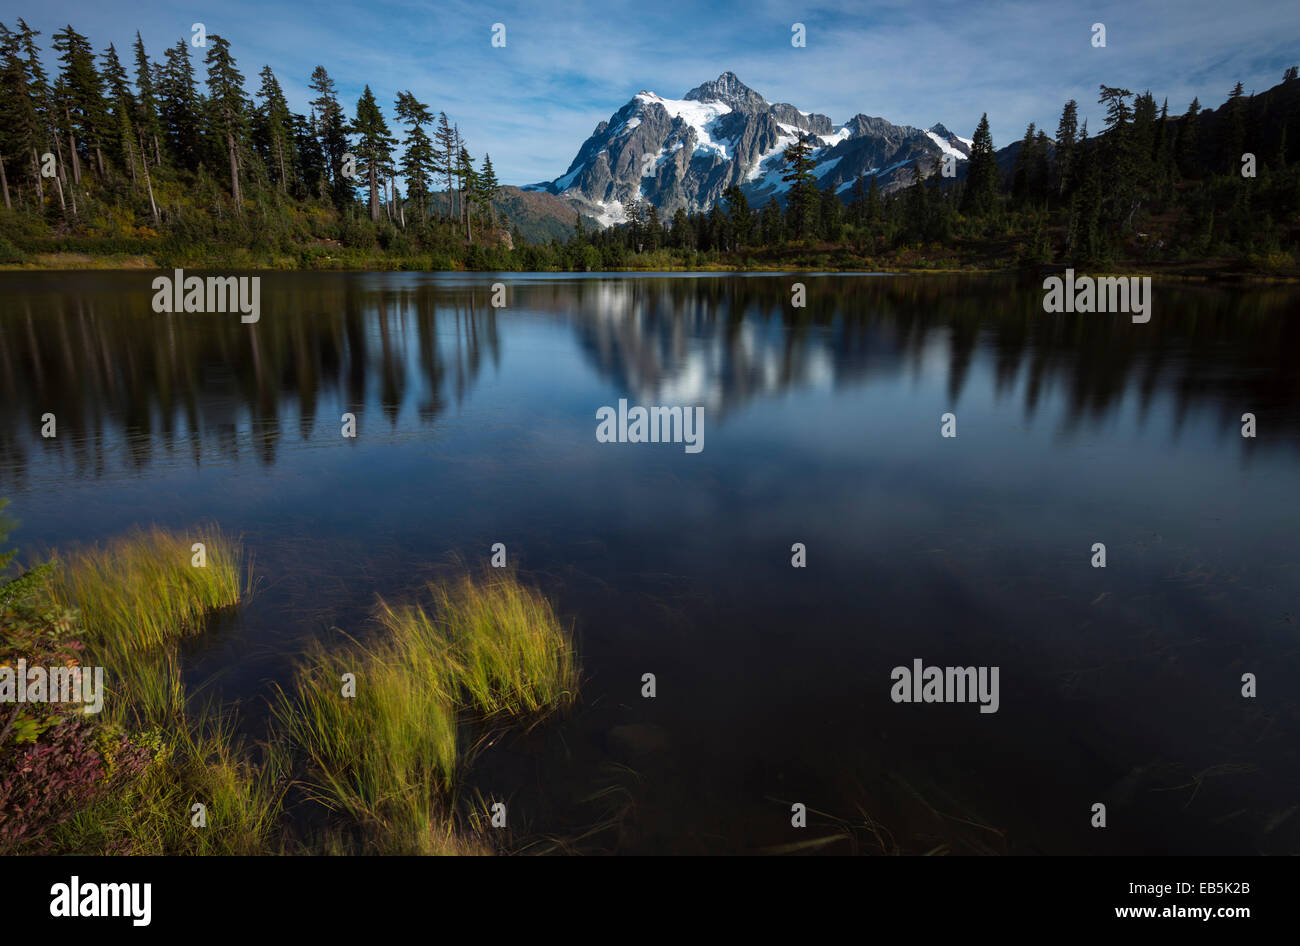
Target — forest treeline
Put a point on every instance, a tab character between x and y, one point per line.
142	158
1150	188
153	161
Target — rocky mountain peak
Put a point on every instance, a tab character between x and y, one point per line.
685	153
729	90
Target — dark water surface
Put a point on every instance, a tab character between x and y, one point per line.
822	426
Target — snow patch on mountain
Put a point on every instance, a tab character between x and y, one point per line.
867	175
840	134
611	212
562	183
700	116
945	147
767	170
771	167
825	168
684	153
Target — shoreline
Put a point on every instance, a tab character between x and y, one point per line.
82	262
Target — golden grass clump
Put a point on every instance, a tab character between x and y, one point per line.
387	755
499	642
143	590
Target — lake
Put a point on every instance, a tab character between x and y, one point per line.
477	425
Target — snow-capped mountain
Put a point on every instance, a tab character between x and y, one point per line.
685	153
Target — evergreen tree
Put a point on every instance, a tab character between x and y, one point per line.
419	161
84	113
146	117
179	100
228	108
1118	112
1022	182
45	106
447	152
1162	153
858	202
773	224
634	211
981	172
802	198
1040	167
719	231
1084	238
121	108
1067	134
738	214
313	168
1232	133
488	189
275	126
918	210
1189	141
831	215
468	185
330	129
374	145
115	81
874	209
1119	158
21	132
1142	142
682	235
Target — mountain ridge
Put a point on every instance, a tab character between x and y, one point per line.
685	153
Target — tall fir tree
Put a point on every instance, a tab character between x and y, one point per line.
447	152
1067	134
228	108
802	198
374	145
981	172
275	130
418	161
488	189
1189	142
180	106
330	128
147	123
84	112
467	185
1232	133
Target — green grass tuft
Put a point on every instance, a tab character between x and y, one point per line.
388	756
142	590
499	642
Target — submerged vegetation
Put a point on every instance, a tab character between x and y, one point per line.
384	753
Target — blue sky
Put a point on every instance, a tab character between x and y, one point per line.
567	66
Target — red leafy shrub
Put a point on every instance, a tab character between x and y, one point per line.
54	760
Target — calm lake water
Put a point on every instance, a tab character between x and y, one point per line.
1119	685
